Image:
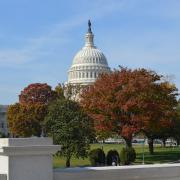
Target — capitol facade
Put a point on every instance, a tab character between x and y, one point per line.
88	63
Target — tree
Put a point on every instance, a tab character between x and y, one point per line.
69	91
162	101
59	90
26	117
128	101
175	130
37	93
69	126
25	121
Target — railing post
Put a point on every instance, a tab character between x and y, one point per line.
27	158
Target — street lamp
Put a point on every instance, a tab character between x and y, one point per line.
143	151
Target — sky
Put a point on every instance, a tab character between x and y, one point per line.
39	38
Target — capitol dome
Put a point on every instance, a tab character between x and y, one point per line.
88	63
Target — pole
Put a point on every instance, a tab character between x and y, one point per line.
143	151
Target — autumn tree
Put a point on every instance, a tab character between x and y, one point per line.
161	99
25	121
70	127
26	117
175	129
37	93
128	101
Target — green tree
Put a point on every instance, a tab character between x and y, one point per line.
175	130
70	127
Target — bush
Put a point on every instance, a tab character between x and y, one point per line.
2	135
112	156
127	156
97	157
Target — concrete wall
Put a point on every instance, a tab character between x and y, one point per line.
139	172
3	177
27	158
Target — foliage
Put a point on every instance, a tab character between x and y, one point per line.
112	156
70	127
25	121
175	129
103	135
97	157
2	135
128	101
73	91
59	90
127	155
26	117
37	93
68	91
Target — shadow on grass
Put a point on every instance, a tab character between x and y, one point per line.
164	156
161	155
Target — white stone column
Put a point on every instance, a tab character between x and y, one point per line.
27	158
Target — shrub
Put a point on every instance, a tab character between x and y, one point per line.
97	157
2	135
127	155
112	156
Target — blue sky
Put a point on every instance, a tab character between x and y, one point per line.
39	38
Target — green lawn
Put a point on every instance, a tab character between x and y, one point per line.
161	155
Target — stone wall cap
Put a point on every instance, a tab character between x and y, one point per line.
80	169
33	141
29	150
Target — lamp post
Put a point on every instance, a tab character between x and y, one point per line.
143	151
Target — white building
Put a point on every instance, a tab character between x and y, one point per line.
88	63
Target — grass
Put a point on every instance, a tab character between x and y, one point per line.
161	155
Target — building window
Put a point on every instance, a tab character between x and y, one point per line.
95	74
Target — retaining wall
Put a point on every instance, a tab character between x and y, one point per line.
3	177
136	172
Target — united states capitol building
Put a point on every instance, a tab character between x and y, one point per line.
87	65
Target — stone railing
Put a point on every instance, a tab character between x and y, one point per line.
31	159
135	172
3	177
27	158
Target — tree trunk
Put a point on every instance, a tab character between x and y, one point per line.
68	162
151	145
128	143
178	142
164	142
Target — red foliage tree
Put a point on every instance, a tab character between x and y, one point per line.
37	93
128	101
26	117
